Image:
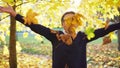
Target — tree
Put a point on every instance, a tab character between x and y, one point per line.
12	45
117	20
119	40
50	14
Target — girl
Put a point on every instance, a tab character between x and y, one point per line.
68	48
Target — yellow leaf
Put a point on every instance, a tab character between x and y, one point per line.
25	34
71	24
112	35
90	35
107	23
118	58
8	33
2	37
77	20
5	50
18	47
90	32
74	21
30	17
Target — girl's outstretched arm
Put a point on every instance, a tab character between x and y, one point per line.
102	31
37	28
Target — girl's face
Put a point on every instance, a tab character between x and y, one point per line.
64	24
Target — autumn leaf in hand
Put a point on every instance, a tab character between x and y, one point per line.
30	17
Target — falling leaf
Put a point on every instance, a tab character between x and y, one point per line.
106	40
90	32
18	47
25	34
107	24
30	17
71	24
112	35
5	50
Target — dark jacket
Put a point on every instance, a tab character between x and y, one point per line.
74	55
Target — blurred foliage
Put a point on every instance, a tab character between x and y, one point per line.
96	12
50	11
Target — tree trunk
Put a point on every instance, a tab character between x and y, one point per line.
119	40
12	45
119	31
117	20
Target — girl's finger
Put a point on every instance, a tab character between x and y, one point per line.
1	9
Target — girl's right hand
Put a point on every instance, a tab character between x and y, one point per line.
8	9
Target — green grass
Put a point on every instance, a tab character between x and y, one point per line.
30	40
32	46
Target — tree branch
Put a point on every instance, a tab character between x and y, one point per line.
4	17
22	3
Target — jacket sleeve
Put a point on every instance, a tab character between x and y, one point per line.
102	31
37	28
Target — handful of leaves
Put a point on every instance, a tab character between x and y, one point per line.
30	17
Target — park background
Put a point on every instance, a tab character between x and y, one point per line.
34	51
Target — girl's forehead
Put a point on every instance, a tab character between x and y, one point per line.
68	16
